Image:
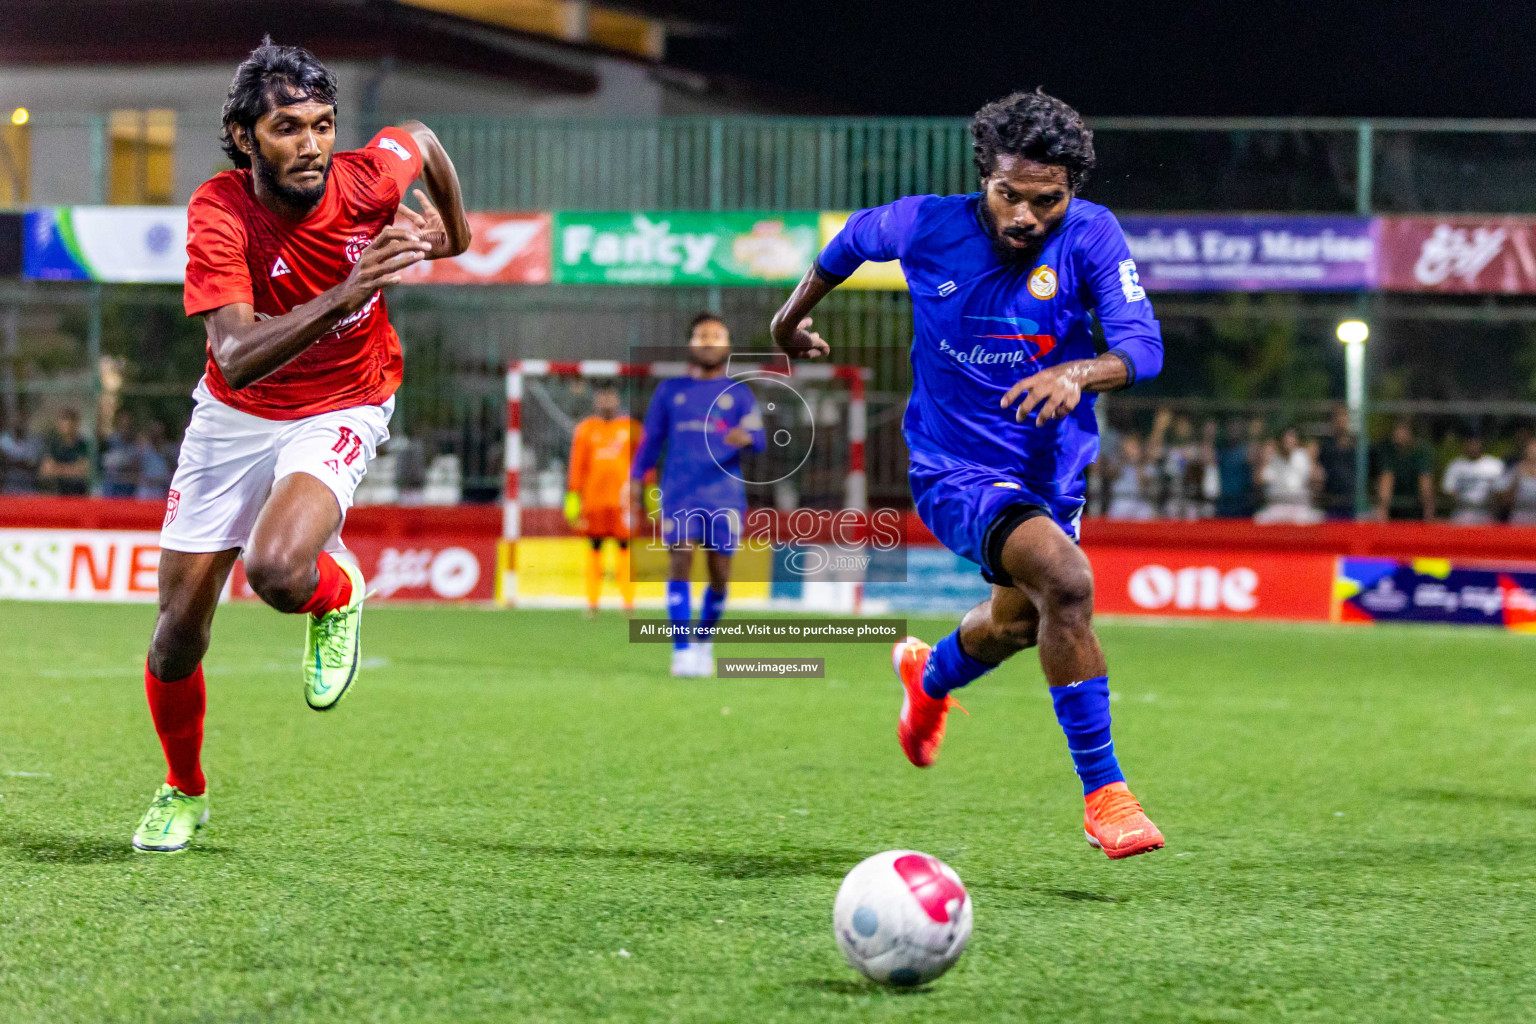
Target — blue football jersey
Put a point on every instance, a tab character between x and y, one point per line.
690	418
981	325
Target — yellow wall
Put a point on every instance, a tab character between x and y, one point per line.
555	568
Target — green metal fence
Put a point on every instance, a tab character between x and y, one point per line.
1270	353
1332	165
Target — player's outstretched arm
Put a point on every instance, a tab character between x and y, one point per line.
247	349
791	325
442	220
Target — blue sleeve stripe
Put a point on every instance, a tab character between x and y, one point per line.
1130	364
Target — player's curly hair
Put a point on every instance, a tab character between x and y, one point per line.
272	76
1034	126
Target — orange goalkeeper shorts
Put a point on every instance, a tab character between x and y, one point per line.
604	522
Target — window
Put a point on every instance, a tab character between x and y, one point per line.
143	145
15	161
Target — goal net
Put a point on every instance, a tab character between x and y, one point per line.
814	423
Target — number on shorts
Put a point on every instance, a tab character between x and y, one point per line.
347	438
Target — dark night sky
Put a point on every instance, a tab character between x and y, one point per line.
1466	58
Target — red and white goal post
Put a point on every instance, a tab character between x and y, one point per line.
545	398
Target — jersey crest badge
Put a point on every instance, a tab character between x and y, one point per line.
279	268
355	246
1042	283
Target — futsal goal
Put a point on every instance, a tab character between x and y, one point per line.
815	422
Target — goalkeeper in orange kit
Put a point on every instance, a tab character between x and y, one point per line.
597	498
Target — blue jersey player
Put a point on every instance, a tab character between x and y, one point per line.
1007	285
703	421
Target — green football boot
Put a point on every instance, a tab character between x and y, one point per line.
170	823
334	647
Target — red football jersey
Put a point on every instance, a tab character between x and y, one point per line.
239	251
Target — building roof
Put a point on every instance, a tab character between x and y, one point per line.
160	32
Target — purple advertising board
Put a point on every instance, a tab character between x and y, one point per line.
1252	254
1435	590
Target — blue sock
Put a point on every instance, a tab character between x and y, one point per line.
680	611
1083	711
710	610
950	668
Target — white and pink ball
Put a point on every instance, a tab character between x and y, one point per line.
902	917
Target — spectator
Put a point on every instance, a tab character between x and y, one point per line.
154	467
1174	450
1235	472
1519	488
20	455
119	460
1406	487
1471	479
1205	481
66	465
1289	475
1132	483
1336	458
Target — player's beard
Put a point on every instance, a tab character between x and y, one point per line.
1009	254
294	198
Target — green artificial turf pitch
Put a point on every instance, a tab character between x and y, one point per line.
520	817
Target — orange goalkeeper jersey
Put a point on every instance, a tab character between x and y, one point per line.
600	455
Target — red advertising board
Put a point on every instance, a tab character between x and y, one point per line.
423	567
1466	254
509	248
1212	583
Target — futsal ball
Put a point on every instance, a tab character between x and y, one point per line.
902	918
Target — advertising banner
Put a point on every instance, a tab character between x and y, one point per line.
1222	253
880	276
1435	590
1181	582
106	243
1211	583
1458	254
430	567
121	565
79	565
508	248
683	248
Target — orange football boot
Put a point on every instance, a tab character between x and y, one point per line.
1116	824
921	726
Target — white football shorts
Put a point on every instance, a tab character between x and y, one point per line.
230	460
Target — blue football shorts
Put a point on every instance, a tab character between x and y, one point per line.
972	509
715	529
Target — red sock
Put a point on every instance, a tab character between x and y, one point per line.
334	590
177	708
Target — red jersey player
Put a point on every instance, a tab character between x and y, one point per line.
286	256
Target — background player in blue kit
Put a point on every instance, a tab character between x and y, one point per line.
703	421
1006	287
